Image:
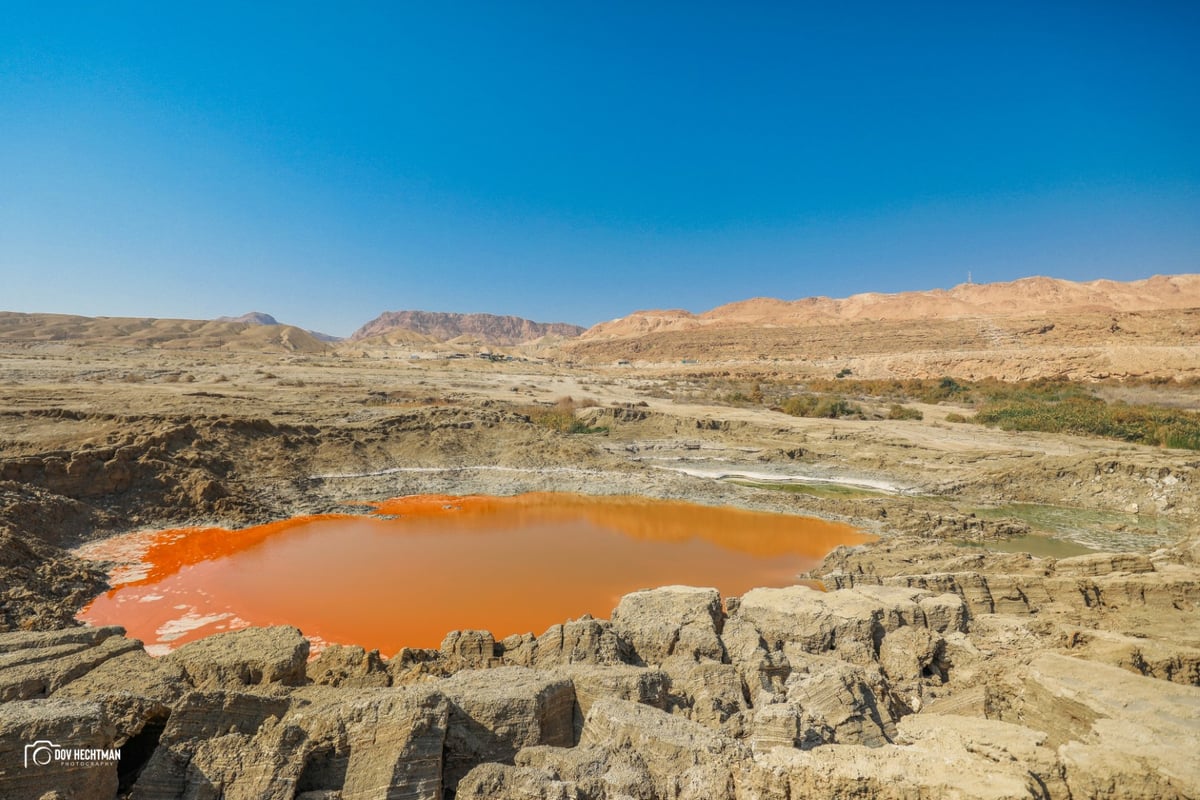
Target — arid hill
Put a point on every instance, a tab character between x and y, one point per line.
1031	328
984	300
251	318
168	334
442	327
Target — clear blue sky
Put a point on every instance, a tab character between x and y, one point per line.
566	161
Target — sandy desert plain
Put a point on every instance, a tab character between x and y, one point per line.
945	660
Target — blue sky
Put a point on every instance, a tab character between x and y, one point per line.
575	162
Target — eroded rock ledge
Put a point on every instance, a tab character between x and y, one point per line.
929	671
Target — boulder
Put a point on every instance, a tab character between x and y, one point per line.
496	712
30	730
671	620
505	782
135	689
684	759
39	664
353	744
1153	658
913	658
593	772
707	692
468	650
762	670
249	657
839	704
998	742
852	621
581	641
349	666
886	773
627	682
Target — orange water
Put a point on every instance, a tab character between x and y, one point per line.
424	565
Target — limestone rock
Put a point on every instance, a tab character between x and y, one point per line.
636	684
469	650
775	725
762	670
248	657
1098	715
913	658
356	744
839	705
593	772
136	690
684	758
1153	658
945	613
999	742
972	587
496	712
887	773
505	782
707	692
38	664
349	666
819	622
26	726
1102	564
671	620
581	641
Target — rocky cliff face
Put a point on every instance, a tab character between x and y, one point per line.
442	327
974	676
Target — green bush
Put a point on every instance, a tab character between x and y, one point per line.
808	405
1090	416
898	411
561	417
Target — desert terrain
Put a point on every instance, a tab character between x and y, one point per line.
975	650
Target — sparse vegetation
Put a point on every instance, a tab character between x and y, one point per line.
897	411
1091	416
560	417
809	405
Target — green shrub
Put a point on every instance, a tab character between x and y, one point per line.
898	411
808	405
1080	414
561	417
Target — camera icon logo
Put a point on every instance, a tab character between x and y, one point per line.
40	752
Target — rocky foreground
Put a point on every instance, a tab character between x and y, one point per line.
933	671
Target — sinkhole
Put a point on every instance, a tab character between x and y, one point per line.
420	566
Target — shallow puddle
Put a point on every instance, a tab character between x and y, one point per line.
425	565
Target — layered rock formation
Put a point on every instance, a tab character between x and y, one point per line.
1026	329
976	675
443	327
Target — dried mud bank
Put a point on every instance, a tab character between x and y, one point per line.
929	670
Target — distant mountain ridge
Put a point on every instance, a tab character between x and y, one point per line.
167	334
445	326
1021	297
251	318
259	318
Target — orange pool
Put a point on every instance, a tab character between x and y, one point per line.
424	565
